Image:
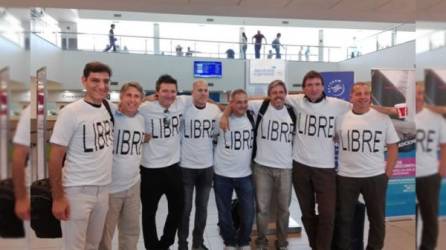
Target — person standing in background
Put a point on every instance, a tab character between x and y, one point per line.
244	46
258	39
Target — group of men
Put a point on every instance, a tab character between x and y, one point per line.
106	160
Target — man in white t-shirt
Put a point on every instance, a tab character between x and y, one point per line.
232	171
273	163
160	171
363	135
84	131
20	156
199	121
124	205
431	137
314	177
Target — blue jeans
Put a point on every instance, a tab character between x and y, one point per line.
257	48
201	181
244	188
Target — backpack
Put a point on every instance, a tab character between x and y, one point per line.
262	112
10	225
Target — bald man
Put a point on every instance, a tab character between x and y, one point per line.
196	163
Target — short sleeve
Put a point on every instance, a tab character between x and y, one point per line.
22	134
64	127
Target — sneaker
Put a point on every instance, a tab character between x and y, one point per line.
202	247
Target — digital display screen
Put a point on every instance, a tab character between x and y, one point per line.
207	69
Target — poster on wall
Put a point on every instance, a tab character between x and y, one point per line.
261	72
435	87
338	84
396	88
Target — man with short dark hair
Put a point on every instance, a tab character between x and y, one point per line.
314	176
233	172
111	39
363	135
84	131
276	45
160	171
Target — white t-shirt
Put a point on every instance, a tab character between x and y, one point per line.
127	151
315	129
163	149
274	137
197	135
362	140
234	148
431	131
87	132
22	134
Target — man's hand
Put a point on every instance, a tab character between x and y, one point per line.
61	208
147	137
22	208
385	110
151	98
224	120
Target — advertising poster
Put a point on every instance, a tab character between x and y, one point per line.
396	88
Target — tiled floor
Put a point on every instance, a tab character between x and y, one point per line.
399	235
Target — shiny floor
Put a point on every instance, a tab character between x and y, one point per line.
400	234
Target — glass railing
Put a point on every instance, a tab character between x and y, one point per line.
223	49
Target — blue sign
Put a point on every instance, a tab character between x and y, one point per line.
338	84
207	69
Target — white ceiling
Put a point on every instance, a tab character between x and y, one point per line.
397	11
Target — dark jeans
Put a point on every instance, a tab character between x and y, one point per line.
257	48
201	180
155	183
244	188
316	185
428	192
112	41
277	49
373	189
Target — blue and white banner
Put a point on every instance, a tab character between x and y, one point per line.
338	84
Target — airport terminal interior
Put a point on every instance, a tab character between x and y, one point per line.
45	44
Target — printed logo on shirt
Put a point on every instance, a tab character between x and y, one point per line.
129	142
361	140
318	126
277	131
165	127
239	139
199	129
425	140
102	136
